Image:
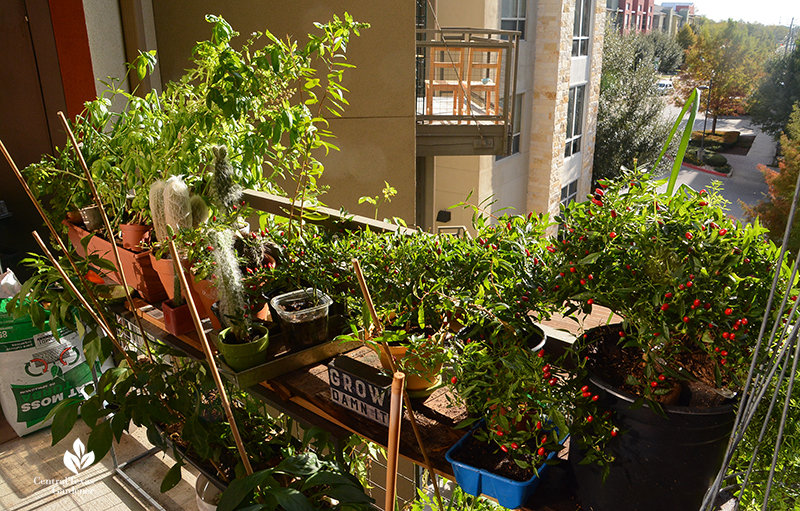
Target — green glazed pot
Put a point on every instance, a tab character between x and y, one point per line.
240	357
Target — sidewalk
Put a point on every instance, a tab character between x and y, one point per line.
745	183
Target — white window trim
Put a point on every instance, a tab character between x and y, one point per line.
578	115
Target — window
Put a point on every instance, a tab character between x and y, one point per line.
580	31
574	118
516	133
628	6
512	16
569	193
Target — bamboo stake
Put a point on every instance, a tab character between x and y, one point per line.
226	404
393	446
379	328
89	308
110	233
87	289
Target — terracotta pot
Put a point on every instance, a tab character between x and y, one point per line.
166	274
138	270
206	295
413	382
75	217
177	320
132	236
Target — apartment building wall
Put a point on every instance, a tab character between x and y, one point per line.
532	178
376	134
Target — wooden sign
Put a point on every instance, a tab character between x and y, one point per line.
360	388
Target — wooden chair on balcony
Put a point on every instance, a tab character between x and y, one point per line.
483	77
445	74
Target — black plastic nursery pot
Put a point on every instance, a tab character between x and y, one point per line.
662	463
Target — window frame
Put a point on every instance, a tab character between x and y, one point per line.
516	133
569	192
581	29
574	134
518	21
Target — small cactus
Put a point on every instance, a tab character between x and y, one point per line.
200	211
227	193
230	289
157	209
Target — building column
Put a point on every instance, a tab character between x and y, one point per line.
550	91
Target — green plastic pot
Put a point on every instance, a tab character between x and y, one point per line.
240	357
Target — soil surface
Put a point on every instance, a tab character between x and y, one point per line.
742	147
489	457
614	364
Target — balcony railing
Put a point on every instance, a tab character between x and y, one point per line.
466	75
465	89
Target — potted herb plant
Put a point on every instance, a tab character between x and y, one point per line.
691	286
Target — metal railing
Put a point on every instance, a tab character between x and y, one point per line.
466	75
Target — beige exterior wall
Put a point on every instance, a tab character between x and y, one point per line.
376	135
107	47
551	79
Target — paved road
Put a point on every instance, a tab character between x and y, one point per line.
745	183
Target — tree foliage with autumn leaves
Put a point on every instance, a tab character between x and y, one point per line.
729	59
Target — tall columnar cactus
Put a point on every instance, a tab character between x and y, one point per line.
230	289
227	193
173	209
200	211
157	209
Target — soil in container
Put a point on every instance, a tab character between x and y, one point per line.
307	333
490	458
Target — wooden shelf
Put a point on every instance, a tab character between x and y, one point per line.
305	395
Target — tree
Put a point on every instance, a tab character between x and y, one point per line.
629	119
726	58
668	53
686	37
771	104
774	213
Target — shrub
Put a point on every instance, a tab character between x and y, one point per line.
716	160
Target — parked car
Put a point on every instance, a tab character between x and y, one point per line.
664	87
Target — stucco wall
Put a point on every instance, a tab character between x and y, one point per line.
104	28
376	133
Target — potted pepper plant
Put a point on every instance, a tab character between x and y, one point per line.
691	285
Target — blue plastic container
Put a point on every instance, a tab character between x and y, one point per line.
475	481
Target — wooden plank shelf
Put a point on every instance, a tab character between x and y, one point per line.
304	394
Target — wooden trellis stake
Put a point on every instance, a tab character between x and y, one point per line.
109	232
87	289
80	297
226	404
379	329
393	446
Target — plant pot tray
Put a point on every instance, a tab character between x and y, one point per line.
286	362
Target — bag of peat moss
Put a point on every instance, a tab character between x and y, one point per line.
37	370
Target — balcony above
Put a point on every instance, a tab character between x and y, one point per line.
465	90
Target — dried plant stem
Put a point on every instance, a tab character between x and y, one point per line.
111	334
109	232
368	298
226	404
101	320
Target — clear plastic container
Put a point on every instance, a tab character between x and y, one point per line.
303	316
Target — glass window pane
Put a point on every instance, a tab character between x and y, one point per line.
584	47
521	28
576	145
573	187
575	47
564	193
508	25
587	16
518	114
515	143
576	28
507	9
578	108
567	150
522	9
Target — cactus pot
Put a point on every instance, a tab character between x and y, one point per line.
242	356
132	236
177	320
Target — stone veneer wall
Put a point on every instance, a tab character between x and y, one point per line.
592	99
550	89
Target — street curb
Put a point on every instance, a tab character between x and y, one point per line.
701	169
712	172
